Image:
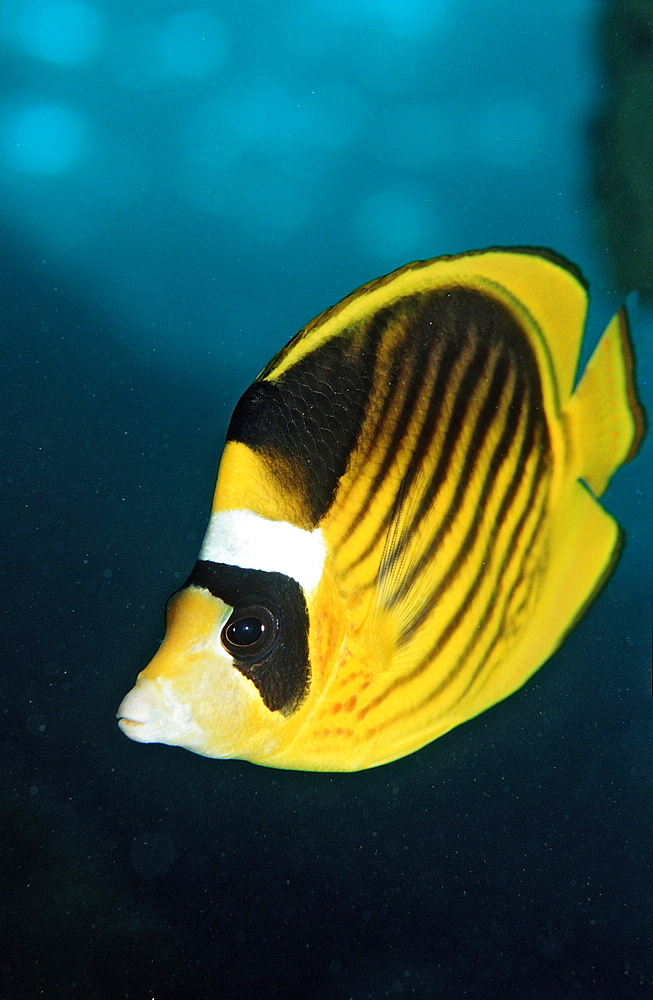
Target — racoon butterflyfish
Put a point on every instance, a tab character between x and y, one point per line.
405	524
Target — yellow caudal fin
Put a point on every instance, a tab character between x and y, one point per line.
606	419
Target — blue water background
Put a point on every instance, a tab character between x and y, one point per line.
183	187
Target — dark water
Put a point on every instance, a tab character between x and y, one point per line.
512	858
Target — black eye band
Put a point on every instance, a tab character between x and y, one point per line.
267	632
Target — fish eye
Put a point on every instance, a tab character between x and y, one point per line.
250	631
245	631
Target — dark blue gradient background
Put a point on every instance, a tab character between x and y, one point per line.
183	188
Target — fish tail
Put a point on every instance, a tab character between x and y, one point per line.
606	419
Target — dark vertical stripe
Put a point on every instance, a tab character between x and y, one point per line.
414	360
456	619
498	457
482	426
454	428
507	610
482	626
423	442
476	368
500	453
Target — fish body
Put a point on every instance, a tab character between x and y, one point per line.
405	524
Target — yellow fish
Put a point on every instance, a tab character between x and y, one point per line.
405	523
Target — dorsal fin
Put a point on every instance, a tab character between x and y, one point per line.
551	289
536	281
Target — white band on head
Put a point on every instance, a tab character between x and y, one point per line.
242	538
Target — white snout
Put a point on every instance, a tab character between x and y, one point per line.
151	713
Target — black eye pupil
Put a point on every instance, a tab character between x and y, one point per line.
251	632
245	631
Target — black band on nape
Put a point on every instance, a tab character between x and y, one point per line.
308	419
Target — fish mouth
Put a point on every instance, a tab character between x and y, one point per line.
138	717
138	731
150	713
139	704
127	724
